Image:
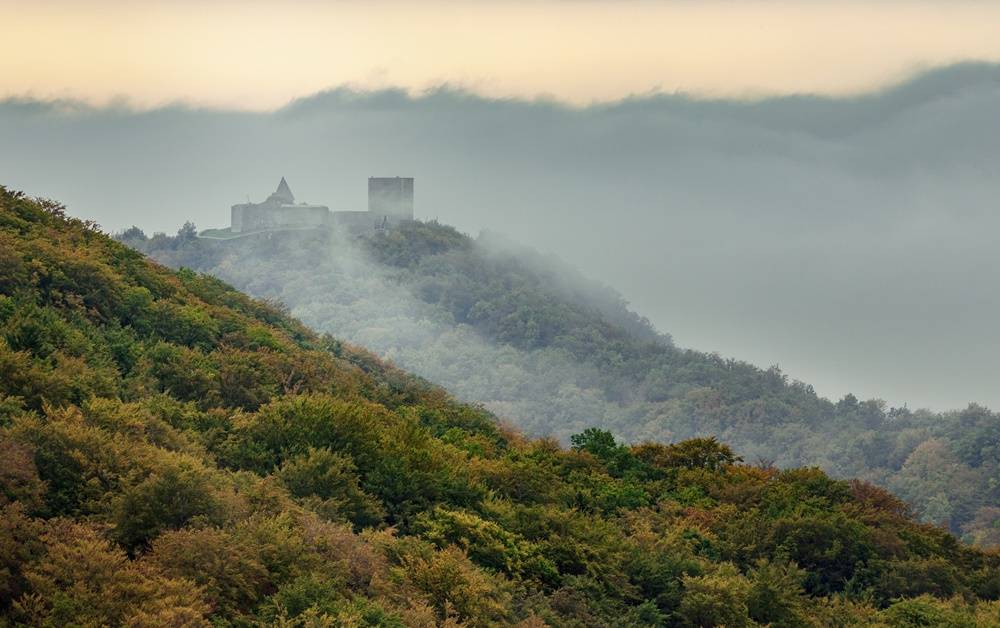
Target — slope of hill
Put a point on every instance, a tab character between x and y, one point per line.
175	453
553	353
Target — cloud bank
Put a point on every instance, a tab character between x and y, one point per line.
850	240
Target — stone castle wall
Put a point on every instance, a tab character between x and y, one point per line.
390	200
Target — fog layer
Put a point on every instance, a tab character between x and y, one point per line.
849	240
554	354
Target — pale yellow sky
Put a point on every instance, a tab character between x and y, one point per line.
260	55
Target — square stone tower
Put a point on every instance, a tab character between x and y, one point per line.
391	197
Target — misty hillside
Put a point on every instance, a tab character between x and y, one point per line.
776	229
554	353
175	453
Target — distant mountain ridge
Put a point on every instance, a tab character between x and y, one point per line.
554	353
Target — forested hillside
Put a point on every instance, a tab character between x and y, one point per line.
553	353
175	453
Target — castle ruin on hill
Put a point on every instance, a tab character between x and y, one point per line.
390	201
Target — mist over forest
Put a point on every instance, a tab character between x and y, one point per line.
553	354
850	240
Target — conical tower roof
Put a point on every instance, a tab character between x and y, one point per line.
283	193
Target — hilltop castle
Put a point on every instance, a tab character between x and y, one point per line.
390	201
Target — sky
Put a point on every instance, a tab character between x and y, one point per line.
810	184
259	55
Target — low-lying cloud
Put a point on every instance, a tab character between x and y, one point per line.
850	240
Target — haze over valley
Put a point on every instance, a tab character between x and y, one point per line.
858	229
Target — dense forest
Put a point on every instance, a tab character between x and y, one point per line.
177	453
553	353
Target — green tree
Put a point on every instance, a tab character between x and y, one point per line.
328	484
